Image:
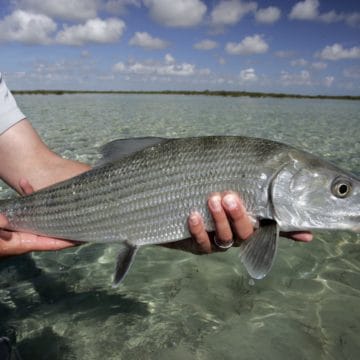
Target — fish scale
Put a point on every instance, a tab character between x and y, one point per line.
145	196
143	189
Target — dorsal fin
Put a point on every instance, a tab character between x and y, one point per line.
117	149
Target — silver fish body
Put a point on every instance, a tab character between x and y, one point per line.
144	195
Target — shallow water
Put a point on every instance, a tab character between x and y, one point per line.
176	305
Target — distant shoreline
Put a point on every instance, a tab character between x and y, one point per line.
188	92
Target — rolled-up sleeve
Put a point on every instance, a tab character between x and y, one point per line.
10	114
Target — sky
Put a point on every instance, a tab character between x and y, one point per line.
303	47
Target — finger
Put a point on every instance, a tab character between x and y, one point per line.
3	221
25	187
198	232
222	226
20	243
304	236
42	243
235	209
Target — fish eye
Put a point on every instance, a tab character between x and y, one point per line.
341	188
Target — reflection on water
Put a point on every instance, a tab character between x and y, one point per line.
175	305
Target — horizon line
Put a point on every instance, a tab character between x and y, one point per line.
225	93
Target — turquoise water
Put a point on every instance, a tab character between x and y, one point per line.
176	305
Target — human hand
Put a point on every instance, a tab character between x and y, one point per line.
18	243
232	224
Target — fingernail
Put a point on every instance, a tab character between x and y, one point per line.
215	203
194	220
230	202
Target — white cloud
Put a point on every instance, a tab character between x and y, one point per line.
119	6
27	27
353	72
147	41
85	54
75	10
302	78
328	81
106	77
119	67
72	71
331	17
304	63
309	10
179	13
143	68
353	19
169	59
337	52
305	10
230	12
284	54
319	65
206	45
248	75
205	71
64	9
268	15
168	67
94	30
16	75
299	62
249	45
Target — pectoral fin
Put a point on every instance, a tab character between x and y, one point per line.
258	252
124	260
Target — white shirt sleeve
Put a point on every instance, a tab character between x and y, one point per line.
10	114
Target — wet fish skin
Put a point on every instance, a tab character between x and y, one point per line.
123	199
145	196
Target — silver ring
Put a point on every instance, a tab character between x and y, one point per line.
223	245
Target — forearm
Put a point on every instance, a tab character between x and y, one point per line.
25	156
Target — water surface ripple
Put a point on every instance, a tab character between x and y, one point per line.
175	305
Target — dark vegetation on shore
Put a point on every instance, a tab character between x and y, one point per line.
187	92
